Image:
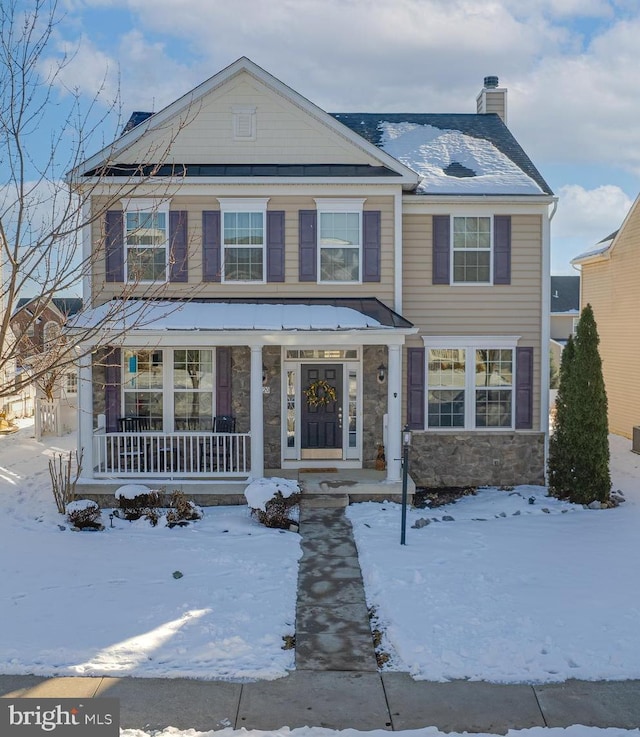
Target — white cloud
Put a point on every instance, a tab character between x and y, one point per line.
590	214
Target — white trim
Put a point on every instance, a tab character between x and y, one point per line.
244	114
87	256
394	412
256	413
545	331
344	204
398	245
243	204
471	341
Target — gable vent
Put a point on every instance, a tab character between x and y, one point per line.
244	123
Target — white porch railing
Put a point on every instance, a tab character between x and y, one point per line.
174	455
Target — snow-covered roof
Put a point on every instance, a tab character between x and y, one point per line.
143	315
431	152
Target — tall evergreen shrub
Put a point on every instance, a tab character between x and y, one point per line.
579	447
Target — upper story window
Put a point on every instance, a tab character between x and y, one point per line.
50	334
340	240
146	231
243	239
471	252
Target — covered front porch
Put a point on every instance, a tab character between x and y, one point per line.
301	393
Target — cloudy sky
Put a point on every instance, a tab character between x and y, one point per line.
571	67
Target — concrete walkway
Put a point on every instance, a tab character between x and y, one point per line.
332	622
336	684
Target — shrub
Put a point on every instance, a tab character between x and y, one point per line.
84	514
274	502
136	500
182	510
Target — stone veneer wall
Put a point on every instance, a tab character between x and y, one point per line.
271	360
241	387
374	402
476	459
98	379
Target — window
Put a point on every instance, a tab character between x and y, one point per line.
193	390
146	225
243	240
187	405
142	385
339	240
50	334
471	250
470	387
71	383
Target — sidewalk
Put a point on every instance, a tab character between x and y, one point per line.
341	700
336	684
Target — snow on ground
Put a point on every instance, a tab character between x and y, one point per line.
91	603
509	591
574	731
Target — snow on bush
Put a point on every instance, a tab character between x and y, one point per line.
274	501
84	514
263	490
131	491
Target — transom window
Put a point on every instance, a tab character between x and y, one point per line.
339	240
243	239
146	237
471	250
470	387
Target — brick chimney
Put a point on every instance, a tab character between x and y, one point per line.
492	99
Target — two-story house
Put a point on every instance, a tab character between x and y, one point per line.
283	288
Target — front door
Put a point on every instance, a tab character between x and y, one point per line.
321	415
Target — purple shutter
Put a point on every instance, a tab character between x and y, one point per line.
307	266
178	256
114	246
441	249
223	381
524	388
275	245
112	380
211	261
415	388
502	249
371	242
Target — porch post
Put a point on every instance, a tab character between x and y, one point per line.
85	414
257	413
394	405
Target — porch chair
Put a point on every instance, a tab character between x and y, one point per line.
133	451
220	449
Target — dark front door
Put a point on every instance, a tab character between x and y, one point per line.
321	413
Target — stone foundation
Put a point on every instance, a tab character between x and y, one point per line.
440	460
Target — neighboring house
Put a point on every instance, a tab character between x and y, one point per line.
564	312
610	283
318	281
37	325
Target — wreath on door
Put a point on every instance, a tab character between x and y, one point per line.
320	393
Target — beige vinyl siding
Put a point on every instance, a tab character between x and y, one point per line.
285	133
613	289
291	287
514	309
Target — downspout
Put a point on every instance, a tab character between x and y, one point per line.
546	330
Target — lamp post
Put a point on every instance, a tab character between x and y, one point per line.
406	443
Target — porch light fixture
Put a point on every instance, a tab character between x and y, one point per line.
382	373
265	375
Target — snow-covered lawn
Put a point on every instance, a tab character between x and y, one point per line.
509	590
90	603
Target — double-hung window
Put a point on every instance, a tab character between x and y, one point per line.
173	388
471	252
146	237
470	385
340	240
243	239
